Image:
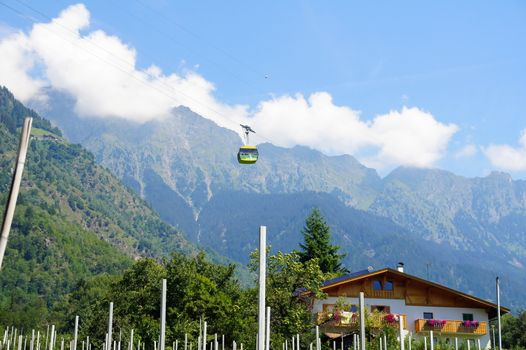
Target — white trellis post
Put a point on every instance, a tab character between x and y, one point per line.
110	327
262	286
76	332
130	346
267	330
362	321
185	340
162	339
317	338
204	335
52	335
425	343
297	342
401	326
431	340
456	343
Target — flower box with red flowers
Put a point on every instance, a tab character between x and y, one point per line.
470	324
436	323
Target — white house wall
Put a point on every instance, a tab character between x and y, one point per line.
413	313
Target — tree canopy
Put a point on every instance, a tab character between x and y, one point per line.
317	244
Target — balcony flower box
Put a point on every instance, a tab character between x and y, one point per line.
436	323
470	324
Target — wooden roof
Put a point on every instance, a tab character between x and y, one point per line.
470	300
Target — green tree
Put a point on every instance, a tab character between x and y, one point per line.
317	244
294	285
197	289
514	331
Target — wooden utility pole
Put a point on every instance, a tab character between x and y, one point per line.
15	186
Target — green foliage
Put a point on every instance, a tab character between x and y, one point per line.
12	114
317	244
73	220
44	259
293	285
197	289
513	330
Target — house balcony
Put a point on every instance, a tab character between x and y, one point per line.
451	327
349	321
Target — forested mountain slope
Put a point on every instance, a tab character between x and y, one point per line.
73	220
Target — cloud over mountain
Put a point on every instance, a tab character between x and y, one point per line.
100	72
507	157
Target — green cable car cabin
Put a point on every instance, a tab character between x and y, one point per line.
247	155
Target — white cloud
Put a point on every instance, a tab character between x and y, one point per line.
506	157
17	60
466	151
100	72
409	137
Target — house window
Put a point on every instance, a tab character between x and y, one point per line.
388	285
428	315
354	308
381	308
467	317
377	285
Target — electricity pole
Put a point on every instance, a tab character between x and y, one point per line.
15	186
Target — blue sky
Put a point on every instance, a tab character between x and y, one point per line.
461	62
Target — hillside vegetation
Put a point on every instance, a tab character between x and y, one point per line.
73	220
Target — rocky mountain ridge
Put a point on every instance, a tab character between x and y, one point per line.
185	167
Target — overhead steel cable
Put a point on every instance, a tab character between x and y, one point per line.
223	68
197	36
127	72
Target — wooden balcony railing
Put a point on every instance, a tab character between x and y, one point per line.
383	294
451	326
326	319
376	320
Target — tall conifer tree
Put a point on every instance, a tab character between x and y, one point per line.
317	244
